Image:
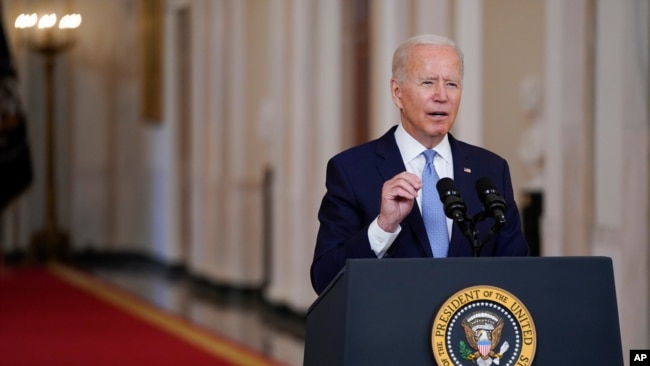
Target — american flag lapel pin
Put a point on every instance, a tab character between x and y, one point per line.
467	170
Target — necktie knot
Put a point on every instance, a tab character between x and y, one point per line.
428	165
429	155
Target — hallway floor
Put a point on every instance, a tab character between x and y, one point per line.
240	315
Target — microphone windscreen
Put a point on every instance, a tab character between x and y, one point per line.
446	186
484	185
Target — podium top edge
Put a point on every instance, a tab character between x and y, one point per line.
358	264
494	259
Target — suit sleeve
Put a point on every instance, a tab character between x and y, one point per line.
344	217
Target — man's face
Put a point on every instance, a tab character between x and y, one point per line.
429	96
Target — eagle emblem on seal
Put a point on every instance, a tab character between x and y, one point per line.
483	332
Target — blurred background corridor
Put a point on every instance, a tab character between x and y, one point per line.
177	148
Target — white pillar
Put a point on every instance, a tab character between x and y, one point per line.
292	218
567	185
275	131
328	126
208	77
389	23
165	180
432	16
300	140
305	138
622	160
468	37
240	246
196	259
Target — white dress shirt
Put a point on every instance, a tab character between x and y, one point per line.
411	151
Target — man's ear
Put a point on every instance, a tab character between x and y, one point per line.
396	92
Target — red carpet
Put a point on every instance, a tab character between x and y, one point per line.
57	316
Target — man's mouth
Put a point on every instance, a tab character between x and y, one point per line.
438	114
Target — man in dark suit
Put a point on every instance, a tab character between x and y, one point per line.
372	189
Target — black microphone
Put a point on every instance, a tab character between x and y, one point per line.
454	206
493	203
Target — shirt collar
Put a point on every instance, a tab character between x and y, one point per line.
410	148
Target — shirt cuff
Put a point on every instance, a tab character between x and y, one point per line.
380	241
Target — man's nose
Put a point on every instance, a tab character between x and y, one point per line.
440	93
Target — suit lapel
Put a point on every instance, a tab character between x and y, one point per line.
463	177
390	160
464	181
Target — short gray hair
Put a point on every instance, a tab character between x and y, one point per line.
401	53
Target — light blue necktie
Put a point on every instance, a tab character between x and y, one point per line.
433	213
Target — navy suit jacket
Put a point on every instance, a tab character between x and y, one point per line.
354	180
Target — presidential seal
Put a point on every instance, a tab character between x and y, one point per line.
484	326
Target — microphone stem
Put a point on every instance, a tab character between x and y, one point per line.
468	228
476	243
